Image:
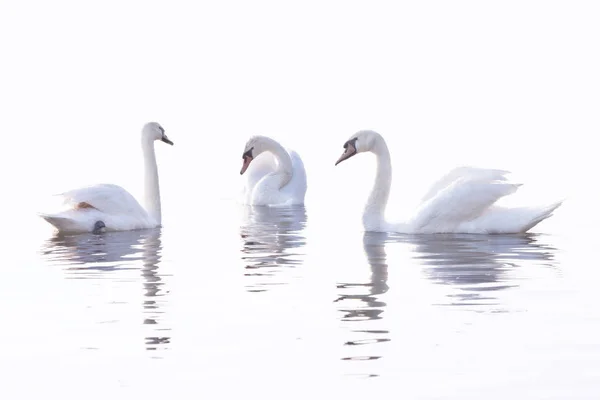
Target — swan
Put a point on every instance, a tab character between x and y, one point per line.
108	207
462	201
274	179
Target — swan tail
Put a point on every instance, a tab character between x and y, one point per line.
72	221
59	222
541	215
501	220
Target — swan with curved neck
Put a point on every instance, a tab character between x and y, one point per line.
275	176
463	201
108	207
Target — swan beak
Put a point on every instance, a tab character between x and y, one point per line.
349	152
247	161
166	140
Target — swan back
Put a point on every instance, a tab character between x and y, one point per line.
106	198
295	189
111	204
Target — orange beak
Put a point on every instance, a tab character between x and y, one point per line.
247	161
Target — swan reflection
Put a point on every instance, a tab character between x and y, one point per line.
477	266
474	269
272	241
91	257
89	253
362	306
369	306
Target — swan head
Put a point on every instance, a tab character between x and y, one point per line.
360	142
153	131
254	146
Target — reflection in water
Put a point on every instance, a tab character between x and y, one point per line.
361	302
153	286
272	240
90	256
477	265
473	267
370	307
87	254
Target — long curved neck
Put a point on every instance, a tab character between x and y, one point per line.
374	212
284	161
151	185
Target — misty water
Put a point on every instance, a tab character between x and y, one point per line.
227	301
270	298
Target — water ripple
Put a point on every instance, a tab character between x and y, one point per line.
272	241
476	266
120	259
473	269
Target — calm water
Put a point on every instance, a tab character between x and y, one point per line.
227	302
273	303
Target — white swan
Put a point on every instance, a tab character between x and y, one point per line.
460	202
278	182
108	207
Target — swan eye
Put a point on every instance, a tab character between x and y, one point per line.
248	153
352	142
161	129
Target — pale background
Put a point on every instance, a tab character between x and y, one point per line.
510	85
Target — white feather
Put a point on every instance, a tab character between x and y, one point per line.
276	176
112	204
462	201
465	173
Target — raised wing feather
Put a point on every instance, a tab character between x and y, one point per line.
465	172
464	199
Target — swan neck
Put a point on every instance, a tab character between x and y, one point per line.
374	212
284	161
151	184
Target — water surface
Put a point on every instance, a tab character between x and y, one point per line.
272	298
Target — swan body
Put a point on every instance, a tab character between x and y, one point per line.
462	201
107	207
275	176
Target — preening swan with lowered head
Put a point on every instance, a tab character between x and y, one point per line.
463	201
108	207
275	176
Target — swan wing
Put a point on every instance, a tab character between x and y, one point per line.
295	189
464	172
107	198
464	199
